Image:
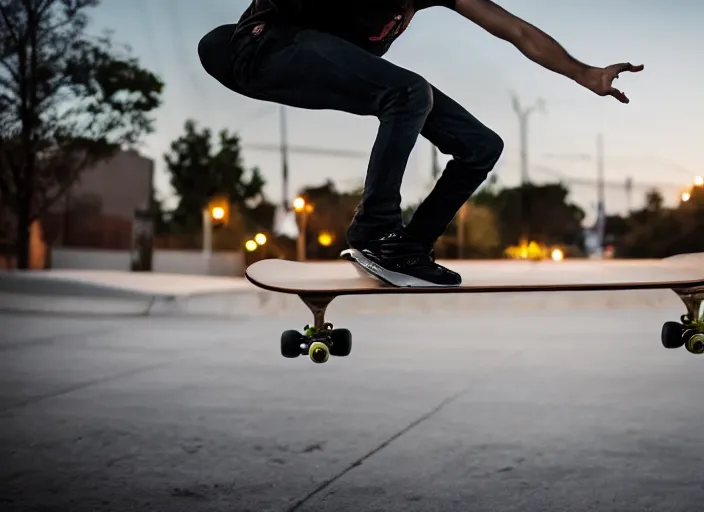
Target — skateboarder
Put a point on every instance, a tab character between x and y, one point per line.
325	55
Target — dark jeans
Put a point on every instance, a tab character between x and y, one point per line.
315	70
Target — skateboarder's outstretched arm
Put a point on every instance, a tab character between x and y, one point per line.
543	49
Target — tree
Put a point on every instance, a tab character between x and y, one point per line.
66	101
200	172
332	213
658	232
615	228
481	234
553	220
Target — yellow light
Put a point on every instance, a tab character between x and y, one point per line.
218	213
698	181
686	196
325	239
260	238
251	245
557	255
528	251
299	204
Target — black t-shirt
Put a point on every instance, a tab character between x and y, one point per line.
370	24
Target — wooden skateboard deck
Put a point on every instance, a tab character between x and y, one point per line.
343	278
318	283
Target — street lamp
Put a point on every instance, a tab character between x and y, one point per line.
260	238
686	196
325	239
299	204
218	213
303	208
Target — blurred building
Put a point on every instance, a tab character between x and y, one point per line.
98	210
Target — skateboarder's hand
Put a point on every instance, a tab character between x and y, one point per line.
600	80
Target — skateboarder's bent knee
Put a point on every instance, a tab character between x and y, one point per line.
479	153
487	153
414	97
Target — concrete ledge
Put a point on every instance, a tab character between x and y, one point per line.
115	284
75	305
48	285
262	303
119	293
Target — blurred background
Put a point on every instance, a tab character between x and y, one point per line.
120	153
132	379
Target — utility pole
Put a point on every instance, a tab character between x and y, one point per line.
629	194
523	116
461	217
600	199
461	222
600	224
284	149
284	157
435	164
461	214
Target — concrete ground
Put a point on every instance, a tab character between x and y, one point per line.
502	411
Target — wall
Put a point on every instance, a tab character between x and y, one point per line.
120	184
98	210
166	262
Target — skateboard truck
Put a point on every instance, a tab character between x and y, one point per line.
319	341
689	332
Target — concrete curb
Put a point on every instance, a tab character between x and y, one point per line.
44	284
102	293
263	303
76	293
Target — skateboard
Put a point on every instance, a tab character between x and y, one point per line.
318	283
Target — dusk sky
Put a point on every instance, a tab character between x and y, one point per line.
657	138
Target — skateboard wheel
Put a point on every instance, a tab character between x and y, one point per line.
341	342
695	343
672	335
291	344
318	352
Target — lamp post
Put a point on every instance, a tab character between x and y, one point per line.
303	209
215	214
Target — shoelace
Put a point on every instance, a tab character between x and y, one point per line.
415	255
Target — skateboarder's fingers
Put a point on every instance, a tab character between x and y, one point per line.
633	69
618	95
626	66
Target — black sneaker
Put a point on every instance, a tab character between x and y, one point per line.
399	261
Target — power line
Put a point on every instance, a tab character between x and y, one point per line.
284	156
572	180
584	157
174	16
310	150
147	22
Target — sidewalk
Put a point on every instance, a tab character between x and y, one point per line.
81	282
109	292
